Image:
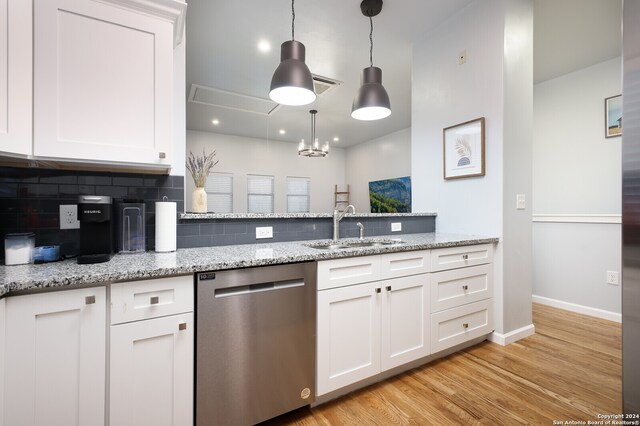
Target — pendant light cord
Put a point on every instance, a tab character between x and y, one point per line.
293	20
371	40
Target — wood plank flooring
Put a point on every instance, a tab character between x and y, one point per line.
569	370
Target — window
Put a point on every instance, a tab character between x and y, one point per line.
219	189
298	194
259	194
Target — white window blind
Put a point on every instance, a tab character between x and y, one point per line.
219	189
298	194
259	194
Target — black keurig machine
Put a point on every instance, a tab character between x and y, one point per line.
96	229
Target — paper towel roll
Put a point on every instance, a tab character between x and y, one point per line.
166	219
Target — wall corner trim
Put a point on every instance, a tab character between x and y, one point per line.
512	336
580	309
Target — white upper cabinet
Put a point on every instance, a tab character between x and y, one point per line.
15	77
103	82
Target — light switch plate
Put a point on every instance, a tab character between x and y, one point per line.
264	232
396	227
520	202
69	216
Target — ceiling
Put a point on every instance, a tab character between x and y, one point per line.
573	34
222	53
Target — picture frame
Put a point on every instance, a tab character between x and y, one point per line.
613	116
463	149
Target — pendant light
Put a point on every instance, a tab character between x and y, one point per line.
371	101
313	149
292	83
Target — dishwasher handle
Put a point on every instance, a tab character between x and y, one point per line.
257	288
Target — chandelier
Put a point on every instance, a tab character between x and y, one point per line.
313	149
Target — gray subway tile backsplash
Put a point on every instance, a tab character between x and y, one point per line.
30	200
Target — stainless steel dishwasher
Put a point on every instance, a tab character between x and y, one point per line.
255	343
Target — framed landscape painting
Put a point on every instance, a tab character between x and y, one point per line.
613	116
463	149
390	195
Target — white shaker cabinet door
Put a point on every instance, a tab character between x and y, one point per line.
15	77
55	358
348	335
405	320
151	378
103	84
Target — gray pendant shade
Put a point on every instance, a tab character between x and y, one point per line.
292	83
371	101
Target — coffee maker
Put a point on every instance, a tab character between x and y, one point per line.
96	229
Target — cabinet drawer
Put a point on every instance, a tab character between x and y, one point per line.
394	265
459	257
137	300
458	325
461	286
352	270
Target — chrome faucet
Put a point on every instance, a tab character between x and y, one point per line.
337	217
361	228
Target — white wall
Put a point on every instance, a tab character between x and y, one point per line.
495	83
386	157
242	156
577	171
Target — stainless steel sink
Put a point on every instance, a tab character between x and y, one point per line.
338	245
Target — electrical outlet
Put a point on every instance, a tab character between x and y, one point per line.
69	216
613	278
396	227
462	57
264	232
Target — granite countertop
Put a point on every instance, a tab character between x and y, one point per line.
124	267
197	216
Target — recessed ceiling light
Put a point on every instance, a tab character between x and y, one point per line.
215	121
336	139
283	131
264	46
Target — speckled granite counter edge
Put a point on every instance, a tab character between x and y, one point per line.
200	216
189	261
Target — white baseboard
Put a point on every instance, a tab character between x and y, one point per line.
512	336
580	309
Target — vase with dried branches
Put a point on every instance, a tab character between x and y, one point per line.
200	167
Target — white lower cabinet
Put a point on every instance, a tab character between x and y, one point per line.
152	372
458	325
367	328
348	335
152	347
55	348
379	312
405	325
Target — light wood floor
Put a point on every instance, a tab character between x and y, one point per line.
569	370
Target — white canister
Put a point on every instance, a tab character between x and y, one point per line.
18	248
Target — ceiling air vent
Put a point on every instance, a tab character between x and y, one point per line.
224	99
322	85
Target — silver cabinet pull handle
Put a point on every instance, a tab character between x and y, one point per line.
465	256
465	287
182	326
465	325
388	288
378	289
89	300
154	300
